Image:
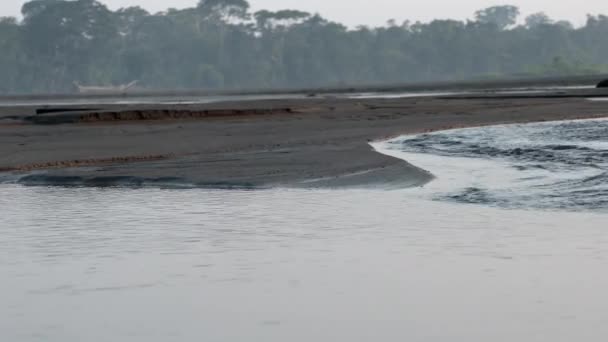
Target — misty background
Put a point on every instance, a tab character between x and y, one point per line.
360	12
228	44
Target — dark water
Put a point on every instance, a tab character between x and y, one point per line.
560	165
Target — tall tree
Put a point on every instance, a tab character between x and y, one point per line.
221	44
65	38
537	19
501	16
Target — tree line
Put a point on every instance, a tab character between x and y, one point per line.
222	44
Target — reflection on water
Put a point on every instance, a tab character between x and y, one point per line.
187	99
293	265
401	95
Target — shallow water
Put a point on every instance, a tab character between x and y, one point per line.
554	165
135	100
501	91
401	95
284	265
86	264
206	99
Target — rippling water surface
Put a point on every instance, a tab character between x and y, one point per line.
429	264
280	265
556	165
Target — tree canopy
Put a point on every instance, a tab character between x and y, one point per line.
222	44
501	16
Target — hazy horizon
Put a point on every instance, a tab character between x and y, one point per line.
353	13
60	45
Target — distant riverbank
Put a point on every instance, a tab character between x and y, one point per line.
474	85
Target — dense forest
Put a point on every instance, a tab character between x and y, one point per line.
221	44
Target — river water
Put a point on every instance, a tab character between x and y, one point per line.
553	165
86	264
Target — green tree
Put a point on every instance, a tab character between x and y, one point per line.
221	44
64	39
537	19
501	16
12	55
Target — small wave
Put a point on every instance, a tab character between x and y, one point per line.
555	164
472	195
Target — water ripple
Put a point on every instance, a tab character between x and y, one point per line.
554	165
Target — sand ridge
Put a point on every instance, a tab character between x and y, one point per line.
318	141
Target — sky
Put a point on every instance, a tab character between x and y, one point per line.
377	12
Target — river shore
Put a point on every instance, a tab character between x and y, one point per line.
319	141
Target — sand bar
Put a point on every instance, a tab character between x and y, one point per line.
320	141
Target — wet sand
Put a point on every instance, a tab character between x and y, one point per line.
314	142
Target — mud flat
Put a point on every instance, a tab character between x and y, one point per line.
320	141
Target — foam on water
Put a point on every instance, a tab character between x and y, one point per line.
556	165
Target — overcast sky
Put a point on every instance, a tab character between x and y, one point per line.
377	12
